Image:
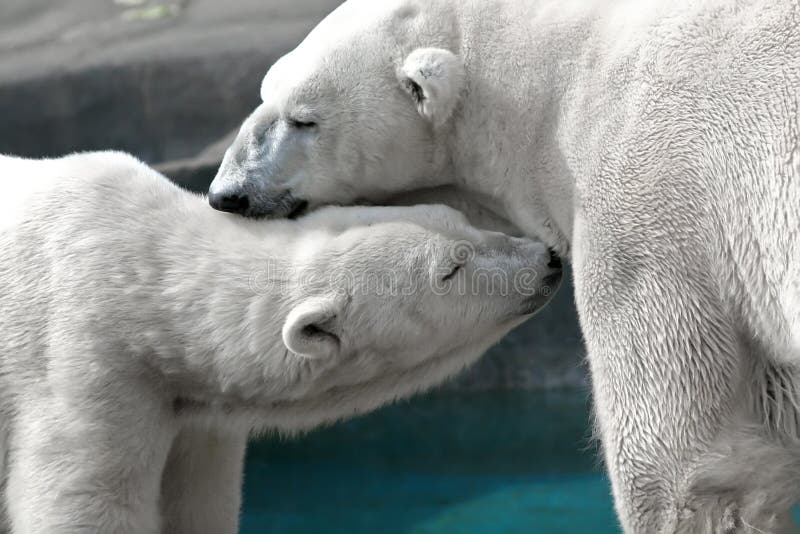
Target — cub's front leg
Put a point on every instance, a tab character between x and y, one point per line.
87	455
202	482
666	371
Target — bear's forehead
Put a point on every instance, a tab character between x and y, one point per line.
393	245
354	34
290	79
403	255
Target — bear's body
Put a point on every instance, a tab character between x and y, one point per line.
143	333
656	144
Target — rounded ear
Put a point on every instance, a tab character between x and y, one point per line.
434	78
310	329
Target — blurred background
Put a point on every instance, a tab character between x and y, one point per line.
504	448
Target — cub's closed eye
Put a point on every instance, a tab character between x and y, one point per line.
301	125
452	273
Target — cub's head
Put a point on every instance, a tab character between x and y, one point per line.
384	302
356	112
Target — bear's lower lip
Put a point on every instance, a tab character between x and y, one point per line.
299	209
282	206
555	260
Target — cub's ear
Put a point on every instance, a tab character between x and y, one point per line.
434	78
311	329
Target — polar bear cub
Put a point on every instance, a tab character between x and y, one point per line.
145	336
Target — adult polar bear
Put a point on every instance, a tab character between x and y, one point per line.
655	144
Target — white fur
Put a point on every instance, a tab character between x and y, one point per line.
658	145
144	336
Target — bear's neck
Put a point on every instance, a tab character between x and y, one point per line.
519	136
222	288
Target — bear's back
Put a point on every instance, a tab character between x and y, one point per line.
68	225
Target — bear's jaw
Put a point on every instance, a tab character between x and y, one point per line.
325	403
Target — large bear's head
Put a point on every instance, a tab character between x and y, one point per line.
358	111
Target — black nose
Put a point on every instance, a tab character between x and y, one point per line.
229	202
555	261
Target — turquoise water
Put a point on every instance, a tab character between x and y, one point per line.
448	462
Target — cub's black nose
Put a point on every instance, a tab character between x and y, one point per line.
229	202
555	261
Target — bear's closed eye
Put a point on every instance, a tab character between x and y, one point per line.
295	123
452	273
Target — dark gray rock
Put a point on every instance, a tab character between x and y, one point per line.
168	80
159	79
